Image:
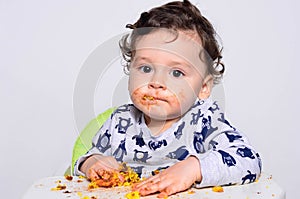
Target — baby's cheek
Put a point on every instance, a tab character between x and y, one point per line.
135	94
174	100
185	101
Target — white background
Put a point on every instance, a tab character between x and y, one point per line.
44	44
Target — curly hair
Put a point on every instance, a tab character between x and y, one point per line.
178	16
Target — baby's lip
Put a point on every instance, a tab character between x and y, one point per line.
153	98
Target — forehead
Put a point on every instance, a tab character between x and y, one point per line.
184	45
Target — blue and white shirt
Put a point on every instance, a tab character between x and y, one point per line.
225	155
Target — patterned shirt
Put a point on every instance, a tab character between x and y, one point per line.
224	153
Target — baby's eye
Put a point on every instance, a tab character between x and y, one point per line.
145	69
177	73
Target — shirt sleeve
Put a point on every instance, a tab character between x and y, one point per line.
229	157
230	163
101	144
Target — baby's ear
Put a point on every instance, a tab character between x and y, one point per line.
206	87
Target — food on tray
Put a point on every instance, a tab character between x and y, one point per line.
217	189
59	187
133	195
126	177
69	177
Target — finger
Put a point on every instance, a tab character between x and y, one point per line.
167	191
92	174
111	163
145	183
155	187
103	166
163	194
100	172
114	164
146	190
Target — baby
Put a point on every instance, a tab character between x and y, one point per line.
173	133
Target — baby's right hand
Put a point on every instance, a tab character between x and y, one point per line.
94	166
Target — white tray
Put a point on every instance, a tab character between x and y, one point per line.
265	188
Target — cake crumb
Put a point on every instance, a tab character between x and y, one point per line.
217	189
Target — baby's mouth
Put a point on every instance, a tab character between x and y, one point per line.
148	97
153	99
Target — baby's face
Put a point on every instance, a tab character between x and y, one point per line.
166	75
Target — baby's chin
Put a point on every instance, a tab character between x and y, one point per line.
162	117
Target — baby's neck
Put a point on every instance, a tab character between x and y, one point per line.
157	127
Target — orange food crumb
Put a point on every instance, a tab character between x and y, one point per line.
113	179
59	187
69	177
146	97
191	192
92	185
156	172
217	189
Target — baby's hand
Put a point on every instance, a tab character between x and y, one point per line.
94	166
176	178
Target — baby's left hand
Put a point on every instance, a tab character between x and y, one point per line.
176	178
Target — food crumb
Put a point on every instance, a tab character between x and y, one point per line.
69	177
67	191
114	179
133	195
92	185
217	189
156	172
191	192
59	187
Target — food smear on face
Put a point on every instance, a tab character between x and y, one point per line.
146	97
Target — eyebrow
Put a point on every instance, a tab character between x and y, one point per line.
171	63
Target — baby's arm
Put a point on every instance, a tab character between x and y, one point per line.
176	178
225	164
98	157
232	160
228	158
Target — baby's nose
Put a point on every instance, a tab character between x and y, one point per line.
158	79
156	85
